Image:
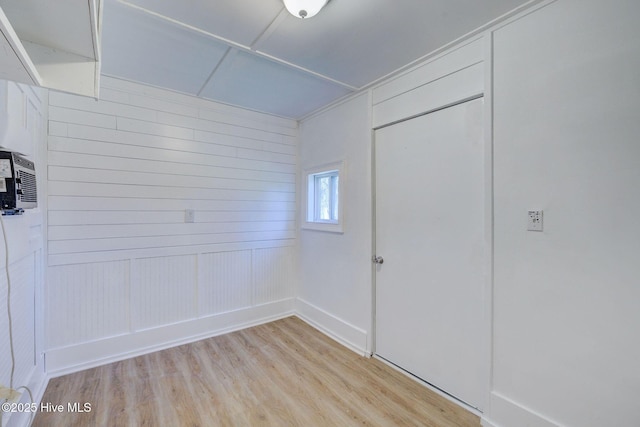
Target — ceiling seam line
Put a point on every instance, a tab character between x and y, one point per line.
313	73
269	29
215	69
185	25
238	46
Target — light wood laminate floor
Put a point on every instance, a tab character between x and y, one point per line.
283	373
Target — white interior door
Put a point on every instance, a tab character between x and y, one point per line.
430	232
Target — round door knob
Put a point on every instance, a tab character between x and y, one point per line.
377	259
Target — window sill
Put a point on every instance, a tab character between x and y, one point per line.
325	227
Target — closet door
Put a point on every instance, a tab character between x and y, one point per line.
429	214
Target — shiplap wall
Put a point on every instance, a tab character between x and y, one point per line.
122	171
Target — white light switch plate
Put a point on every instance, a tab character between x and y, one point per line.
535	220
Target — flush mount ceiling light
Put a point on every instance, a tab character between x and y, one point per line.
304	8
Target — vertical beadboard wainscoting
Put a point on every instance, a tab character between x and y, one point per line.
129	270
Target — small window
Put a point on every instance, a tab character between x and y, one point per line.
323	195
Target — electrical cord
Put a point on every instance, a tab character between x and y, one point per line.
6	269
12	350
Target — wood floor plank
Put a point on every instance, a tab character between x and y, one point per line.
283	373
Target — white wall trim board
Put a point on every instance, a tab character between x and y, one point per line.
520	13
94	257
458	58
487	350
346	334
371	342
459	85
62	361
507	413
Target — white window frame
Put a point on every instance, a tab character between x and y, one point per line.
309	207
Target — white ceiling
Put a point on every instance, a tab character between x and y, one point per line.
253	54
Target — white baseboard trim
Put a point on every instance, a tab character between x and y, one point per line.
346	334
66	360
504	412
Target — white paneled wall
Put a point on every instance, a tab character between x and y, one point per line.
334	291
22	128
122	259
565	310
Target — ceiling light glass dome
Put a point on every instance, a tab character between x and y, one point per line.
304	8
